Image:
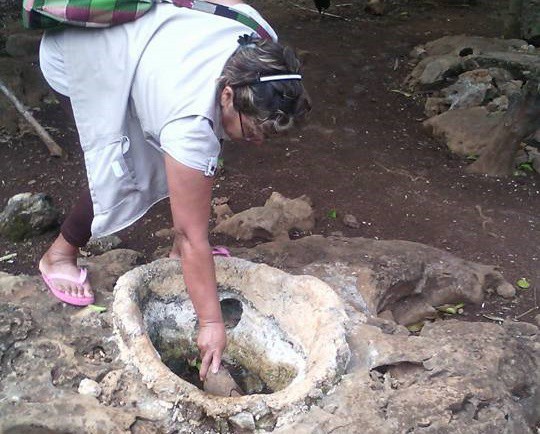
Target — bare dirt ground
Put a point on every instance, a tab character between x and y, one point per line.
364	152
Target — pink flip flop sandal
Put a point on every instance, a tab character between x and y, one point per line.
67	298
221	251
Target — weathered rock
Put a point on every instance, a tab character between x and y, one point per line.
98	246
350	221
89	387
110	384
490	73
161	252
506	290
537	320
464	45
27	215
500	76
435	106
23	44
530	154
10	284
387	315
222	212
432	71
221	384
418	52
375	7
220	200
105	269
500	103
470	90
511	88
451	55
243	421
373	276
465	131
143	314
411	311
459	377
274	220
165	233
15	325
49	416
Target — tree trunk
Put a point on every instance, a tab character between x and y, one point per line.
512	23
520	121
530	21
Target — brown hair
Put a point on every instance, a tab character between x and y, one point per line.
276	105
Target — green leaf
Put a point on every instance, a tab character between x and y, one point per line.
220	163
195	363
472	157
523	283
416	327
332	214
460	305
448	308
96	308
526	167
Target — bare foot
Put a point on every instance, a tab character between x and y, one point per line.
61	258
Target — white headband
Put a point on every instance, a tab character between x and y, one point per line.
280	77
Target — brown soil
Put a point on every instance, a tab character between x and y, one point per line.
364	152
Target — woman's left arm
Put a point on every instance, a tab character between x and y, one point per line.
190	194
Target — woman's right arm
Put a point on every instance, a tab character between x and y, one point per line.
190	194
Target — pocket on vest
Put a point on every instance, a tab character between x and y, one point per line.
110	173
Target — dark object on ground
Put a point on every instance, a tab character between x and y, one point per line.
221	384
322	5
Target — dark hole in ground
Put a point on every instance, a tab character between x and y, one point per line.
186	368
231	310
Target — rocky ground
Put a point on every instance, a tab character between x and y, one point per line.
364	153
451	376
370	169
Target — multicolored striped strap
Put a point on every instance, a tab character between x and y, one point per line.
224	11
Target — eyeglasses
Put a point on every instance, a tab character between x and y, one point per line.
250	131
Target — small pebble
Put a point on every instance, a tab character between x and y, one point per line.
89	387
351	221
165	233
506	290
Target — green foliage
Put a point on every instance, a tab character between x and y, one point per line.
526	167
523	283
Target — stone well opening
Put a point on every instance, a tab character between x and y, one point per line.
172	327
286	338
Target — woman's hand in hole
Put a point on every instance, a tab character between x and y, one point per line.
211	342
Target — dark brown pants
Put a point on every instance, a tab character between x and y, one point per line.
76	228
